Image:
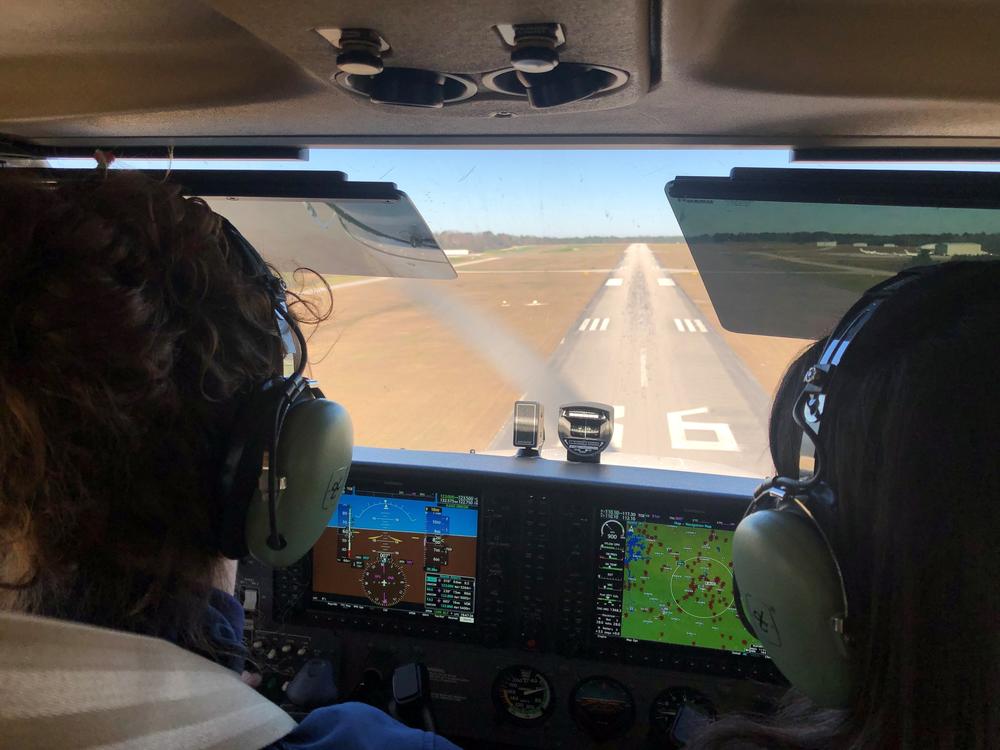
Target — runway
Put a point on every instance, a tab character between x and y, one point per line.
679	392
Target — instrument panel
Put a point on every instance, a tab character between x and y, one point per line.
569	604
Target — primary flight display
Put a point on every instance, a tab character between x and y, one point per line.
411	552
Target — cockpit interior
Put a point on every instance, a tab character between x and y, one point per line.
565	253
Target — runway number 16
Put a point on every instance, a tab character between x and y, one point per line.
680	427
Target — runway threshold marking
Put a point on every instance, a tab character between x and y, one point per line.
689	325
614	282
666	282
594	324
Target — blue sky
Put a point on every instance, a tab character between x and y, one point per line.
538	191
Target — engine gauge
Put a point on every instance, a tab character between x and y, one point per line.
602	706
523	695
678	713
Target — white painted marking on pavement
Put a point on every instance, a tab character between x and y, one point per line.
643	375
472	262
618	435
614	282
594	324
678	427
666	282
379	279
687	325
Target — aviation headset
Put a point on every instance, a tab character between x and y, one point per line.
788	583
289	451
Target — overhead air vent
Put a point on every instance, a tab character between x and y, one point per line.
569	82
536	72
409	87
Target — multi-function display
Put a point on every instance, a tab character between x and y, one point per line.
668	579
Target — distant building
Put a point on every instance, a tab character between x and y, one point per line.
456	253
889	244
958	248
826	243
860	244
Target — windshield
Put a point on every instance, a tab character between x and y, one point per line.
574	283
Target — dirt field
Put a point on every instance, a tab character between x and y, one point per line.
765	356
402	369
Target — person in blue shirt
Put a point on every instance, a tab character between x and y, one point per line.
129	338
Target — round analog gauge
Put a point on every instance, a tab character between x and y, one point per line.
523	695
668	704
384	581
602	706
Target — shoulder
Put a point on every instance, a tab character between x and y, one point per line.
357	726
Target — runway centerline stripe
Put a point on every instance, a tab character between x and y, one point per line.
666	282
643	375
614	282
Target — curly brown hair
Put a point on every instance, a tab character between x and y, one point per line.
129	331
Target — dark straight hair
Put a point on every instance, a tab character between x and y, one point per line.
911	433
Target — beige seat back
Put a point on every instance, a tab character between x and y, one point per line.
65	685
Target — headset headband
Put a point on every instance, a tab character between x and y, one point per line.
292	385
807	411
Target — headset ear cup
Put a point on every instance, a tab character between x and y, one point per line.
790	593
242	466
314	454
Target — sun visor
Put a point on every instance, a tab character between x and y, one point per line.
785	252
316	220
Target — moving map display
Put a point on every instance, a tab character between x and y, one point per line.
413	553
668	580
